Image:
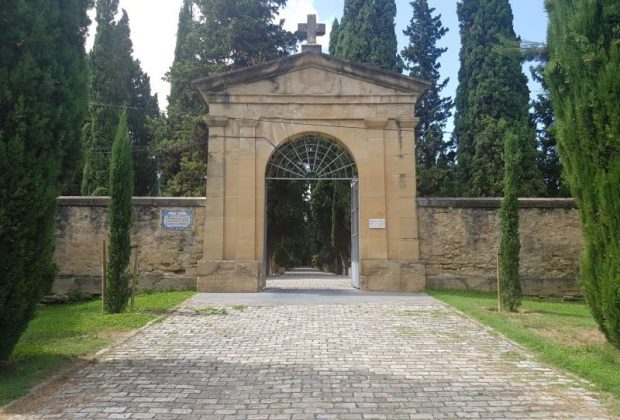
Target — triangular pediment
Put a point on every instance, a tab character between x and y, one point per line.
310	74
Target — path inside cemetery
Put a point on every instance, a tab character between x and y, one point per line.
316	352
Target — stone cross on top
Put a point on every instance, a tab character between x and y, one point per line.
311	30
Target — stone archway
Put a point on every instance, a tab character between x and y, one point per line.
312	158
255	110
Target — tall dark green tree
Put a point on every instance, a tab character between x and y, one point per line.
333	37
341	226
119	249
421	56
225	35
110	68
143	106
492	87
510	244
43	94
329	224
181	145
584	78
366	34
544	119
288	213
116	80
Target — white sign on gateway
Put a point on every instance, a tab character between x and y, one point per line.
376	223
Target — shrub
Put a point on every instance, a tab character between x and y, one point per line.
119	250
584	79
510	244
281	257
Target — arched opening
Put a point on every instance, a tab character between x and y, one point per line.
312	214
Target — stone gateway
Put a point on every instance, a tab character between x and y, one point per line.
254	113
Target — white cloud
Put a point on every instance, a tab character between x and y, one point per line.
153	25
297	11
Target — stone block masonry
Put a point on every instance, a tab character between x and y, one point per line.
458	244
167	259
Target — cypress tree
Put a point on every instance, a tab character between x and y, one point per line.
584	79
181	140
110	75
366	34
117	80
333	37
510	244
119	249
421	57
43	93
143	107
544	120
492	87
341	226
287	210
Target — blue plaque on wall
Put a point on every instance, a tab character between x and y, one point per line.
177	220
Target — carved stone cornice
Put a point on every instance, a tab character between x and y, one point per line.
375	123
212	121
408	122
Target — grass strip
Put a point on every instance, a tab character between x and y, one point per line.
61	334
562	334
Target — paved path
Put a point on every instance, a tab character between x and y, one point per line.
404	359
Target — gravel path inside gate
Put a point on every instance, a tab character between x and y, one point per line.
406	359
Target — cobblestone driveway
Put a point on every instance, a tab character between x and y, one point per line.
372	360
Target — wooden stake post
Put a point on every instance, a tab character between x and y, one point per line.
499	288
104	262
134	275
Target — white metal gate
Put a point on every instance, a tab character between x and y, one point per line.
355	234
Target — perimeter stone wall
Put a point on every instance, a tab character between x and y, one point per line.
167	259
459	244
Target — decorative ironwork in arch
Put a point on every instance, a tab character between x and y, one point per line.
311	157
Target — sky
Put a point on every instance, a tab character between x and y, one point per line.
153	25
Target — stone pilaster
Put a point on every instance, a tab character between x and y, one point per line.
245	247
214	219
217	272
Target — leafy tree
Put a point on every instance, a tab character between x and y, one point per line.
43	94
119	249
366	34
492	87
240	34
225	35
584	78
116	80
421	56
510	244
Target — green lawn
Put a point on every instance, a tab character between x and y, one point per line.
60	334
562	334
